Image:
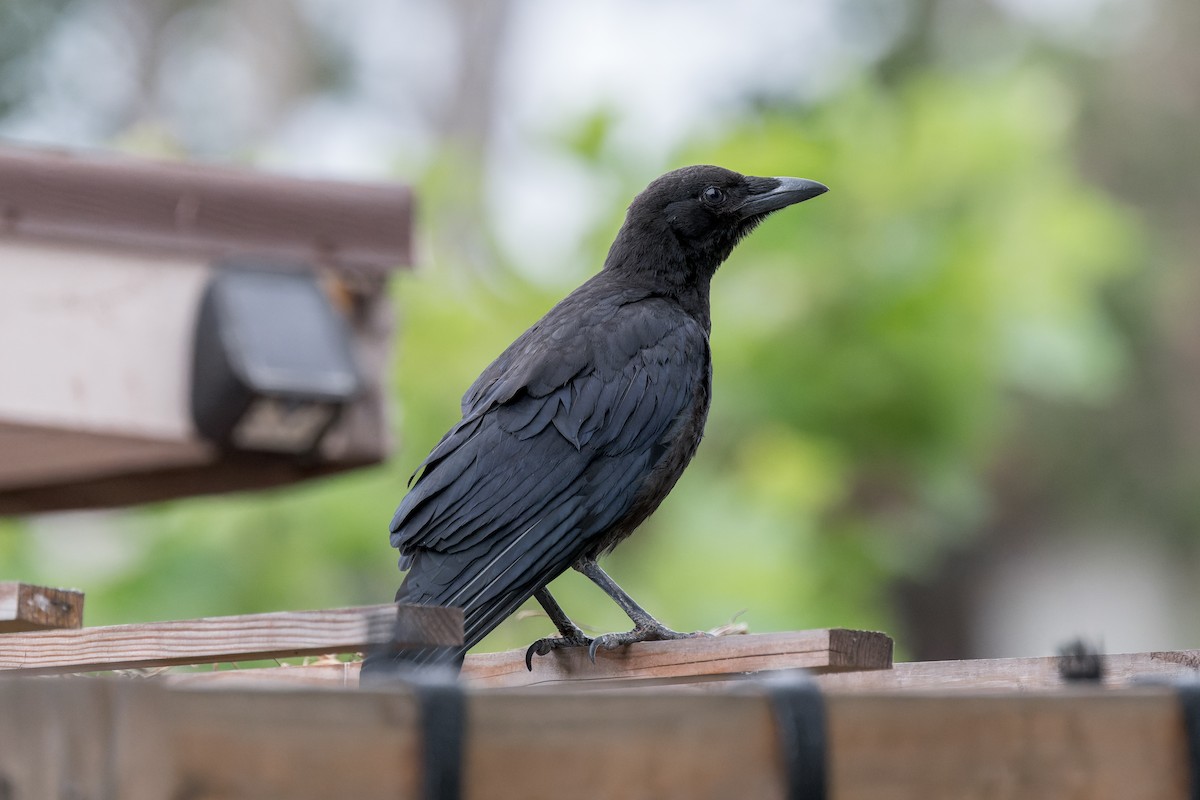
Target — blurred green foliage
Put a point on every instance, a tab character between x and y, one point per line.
867	348
867	345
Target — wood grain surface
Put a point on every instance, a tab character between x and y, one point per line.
221	639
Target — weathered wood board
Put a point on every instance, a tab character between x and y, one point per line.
141	739
1008	674
219	639
686	661
26	607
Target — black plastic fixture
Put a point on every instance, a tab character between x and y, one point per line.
272	367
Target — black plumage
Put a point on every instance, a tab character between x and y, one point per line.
576	433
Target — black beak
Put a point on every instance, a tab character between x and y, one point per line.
788	191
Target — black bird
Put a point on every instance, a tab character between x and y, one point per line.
576	433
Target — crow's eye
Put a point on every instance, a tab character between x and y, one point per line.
713	196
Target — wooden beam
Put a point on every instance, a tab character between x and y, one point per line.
140	739
686	661
25	607
220	639
1001	674
339	675
216	472
1012	673
207	211
1092	743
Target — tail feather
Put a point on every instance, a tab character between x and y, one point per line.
483	610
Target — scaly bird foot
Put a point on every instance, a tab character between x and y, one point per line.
543	646
640	633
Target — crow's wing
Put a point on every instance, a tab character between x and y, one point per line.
557	437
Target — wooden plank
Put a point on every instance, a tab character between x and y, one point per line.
621	745
83	739
219	639
1002	674
218	472
293	746
25	607
1012	673
1092	743
647	664
53	738
47	456
299	744
342	675
686	660
206	211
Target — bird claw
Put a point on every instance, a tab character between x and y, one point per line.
640	633
537	648
544	646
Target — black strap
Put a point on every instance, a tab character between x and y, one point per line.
442	711
441	705
800	718
1189	704
1188	691
443	721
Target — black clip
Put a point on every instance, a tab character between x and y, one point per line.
1189	705
1188	691
443	722
1080	661
799	712
441	710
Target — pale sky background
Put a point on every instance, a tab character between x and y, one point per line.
664	70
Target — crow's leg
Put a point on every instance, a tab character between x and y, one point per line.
645	627
569	633
559	617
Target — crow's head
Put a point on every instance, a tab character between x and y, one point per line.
694	217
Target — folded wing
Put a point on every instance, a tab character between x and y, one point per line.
556	440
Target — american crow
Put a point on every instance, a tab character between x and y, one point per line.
575	434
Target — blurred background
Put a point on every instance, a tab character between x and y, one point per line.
957	399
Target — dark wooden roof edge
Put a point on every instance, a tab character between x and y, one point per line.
212	211
234	472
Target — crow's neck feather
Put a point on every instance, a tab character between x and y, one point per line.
653	256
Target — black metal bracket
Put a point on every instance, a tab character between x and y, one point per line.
1188	691
443	722
1189	705
799	712
442	713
